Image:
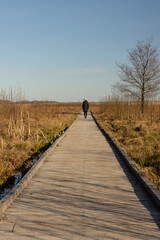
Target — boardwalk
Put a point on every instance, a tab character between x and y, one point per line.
82	192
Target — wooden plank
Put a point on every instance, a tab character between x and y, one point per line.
82	191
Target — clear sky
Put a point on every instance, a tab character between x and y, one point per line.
66	50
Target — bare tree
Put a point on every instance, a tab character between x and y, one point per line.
140	79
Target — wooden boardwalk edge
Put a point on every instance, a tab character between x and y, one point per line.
151	189
14	193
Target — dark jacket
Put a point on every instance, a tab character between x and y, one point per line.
85	106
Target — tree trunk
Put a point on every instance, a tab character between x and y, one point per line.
142	102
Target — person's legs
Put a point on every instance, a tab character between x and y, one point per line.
85	114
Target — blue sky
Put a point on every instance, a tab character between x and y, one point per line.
66	50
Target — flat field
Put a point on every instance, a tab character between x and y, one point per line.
29	128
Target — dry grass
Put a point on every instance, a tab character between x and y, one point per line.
25	128
137	134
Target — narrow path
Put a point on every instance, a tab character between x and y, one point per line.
83	191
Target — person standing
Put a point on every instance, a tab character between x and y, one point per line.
85	107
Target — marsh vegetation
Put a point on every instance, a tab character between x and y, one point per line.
27	128
138	134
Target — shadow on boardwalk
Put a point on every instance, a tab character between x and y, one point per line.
72	211
139	190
